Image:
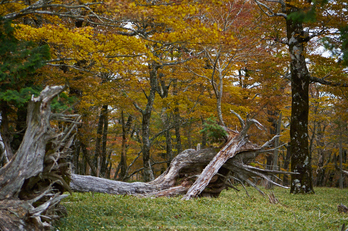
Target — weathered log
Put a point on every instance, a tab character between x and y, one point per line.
182	173
32	182
195	173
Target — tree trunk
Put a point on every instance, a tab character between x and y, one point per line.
274	157
286	165
300	156
97	152
33	181
204	135
340	157
103	159
169	145
123	162
177	119
145	126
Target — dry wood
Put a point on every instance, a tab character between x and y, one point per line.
33	181
194	172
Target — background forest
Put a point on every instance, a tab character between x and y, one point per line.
153	78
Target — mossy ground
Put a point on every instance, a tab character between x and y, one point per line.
231	211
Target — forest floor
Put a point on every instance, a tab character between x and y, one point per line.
231	211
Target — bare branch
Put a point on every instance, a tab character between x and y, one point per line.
268	11
325	82
239	118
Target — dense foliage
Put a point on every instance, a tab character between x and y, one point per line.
146	76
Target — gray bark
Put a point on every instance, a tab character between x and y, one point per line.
31	183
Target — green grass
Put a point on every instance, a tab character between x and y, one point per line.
231	211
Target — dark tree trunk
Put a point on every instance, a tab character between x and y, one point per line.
269	165
321	170
340	158
97	152
320	180
103	159
75	162
123	162
188	135
88	159
146	117
300	156
177	119
204	135
286	165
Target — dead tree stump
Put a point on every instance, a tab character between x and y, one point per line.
33	181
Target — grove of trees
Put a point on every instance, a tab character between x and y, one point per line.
138	82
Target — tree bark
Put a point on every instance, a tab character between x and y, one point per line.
177	119
33	181
103	158
300	156
145	126
125	130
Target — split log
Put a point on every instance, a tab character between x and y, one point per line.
32	183
203	172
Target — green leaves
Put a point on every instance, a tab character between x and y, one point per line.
303	17
18	61
19	97
215	132
344	39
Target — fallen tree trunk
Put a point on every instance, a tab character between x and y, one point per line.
32	183
203	172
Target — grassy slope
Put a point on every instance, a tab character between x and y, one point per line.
231	211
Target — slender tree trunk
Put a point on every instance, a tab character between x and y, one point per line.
177	119
300	156
269	165
148	174
276	144
272	160
204	135
188	135
103	159
340	157
88	159
75	161
145	126
169	145
219	100
320	180
123	162
97	153
286	165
